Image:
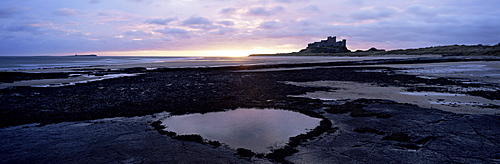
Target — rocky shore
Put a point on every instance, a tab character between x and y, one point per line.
361	130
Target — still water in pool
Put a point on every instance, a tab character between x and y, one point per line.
254	129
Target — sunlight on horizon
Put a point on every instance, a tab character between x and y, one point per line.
207	53
236	53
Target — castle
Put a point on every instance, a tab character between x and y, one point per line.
330	45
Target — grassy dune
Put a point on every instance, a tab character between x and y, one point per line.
452	50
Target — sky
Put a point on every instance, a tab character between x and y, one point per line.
238	27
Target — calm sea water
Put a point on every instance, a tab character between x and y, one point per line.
36	62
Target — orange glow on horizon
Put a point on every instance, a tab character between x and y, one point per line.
207	53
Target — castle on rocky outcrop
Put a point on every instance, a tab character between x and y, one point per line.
331	41
330	45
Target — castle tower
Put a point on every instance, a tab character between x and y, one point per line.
332	38
331	41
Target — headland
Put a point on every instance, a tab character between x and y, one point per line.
331	47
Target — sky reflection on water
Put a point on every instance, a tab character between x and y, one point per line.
254	129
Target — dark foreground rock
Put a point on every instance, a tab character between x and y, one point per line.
411	135
116	140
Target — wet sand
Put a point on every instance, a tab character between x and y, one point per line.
451	102
379	114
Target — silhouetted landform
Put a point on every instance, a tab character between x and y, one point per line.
86	55
373	49
330	45
450	50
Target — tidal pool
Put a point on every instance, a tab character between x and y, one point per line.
256	129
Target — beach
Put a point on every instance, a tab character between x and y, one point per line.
396	109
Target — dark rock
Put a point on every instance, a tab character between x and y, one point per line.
9	77
368	130
398	136
362	113
345	108
190	137
409	146
383	115
244	152
425	140
214	143
279	155
157	125
170	134
134	70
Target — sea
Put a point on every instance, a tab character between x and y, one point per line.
11	63
43	62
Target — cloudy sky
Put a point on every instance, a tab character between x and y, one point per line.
225	27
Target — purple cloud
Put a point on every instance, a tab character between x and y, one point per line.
262	11
65	12
27	28
172	31
196	21
288	1
226	23
103	25
228	11
310	8
270	25
224	31
94	1
137	33
373	13
160	21
199	23
420	10
9	12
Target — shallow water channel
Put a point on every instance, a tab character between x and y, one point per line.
256	129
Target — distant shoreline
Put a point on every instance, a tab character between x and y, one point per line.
450	50
91	55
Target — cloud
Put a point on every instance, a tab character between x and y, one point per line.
262	11
421	10
226	23
27	28
196	21
223	31
373	13
354	2
310	8
293	29
228	11
137	33
289	1
199	23
65	12
270	25
172	31
160	21
238	23
9	12
94	1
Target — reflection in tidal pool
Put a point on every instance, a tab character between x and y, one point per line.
254	129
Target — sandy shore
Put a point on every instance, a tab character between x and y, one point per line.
382	111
